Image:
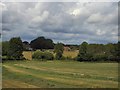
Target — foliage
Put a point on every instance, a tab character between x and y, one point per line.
99	57
117	51
83	52
48	56
98	52
42	43
5	47
87	52
15	48
42	55
37	54
59	50
83	48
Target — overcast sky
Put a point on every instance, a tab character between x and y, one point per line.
70	23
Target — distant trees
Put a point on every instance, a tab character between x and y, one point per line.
26	46
59	50
98	52
42	43
26	42
117	51
15	48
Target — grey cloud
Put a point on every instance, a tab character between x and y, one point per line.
62	22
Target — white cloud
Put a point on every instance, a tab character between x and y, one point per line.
43	17
65	22
3	6
75	12
100	32
95	18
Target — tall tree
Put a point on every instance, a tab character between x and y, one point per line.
15	48
59	50
83	52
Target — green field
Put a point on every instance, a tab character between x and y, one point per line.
59	74
0	75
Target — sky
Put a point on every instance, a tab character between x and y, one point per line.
66	22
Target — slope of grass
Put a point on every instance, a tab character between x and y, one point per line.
60	74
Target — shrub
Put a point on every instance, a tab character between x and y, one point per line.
68	58
48	56
42	55
86	57
100	57
37	55
59	50
59	55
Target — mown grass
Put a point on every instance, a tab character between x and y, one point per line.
62	74
0	75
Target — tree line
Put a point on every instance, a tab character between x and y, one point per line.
13	49
99	52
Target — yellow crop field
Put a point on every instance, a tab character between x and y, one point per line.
27	55
71	54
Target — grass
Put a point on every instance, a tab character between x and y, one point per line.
0	75
59	74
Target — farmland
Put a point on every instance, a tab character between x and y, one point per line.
71	54
59	74
0	75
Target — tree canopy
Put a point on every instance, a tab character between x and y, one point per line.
5	48
42	43
15	48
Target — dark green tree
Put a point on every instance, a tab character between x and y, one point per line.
117	51
42	43
15	48
5	48
83	52
59	50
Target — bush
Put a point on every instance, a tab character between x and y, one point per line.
42	55
100	57
86	57
59	55
48	56
37	54
69	58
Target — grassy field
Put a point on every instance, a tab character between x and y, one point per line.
59	74
0	75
